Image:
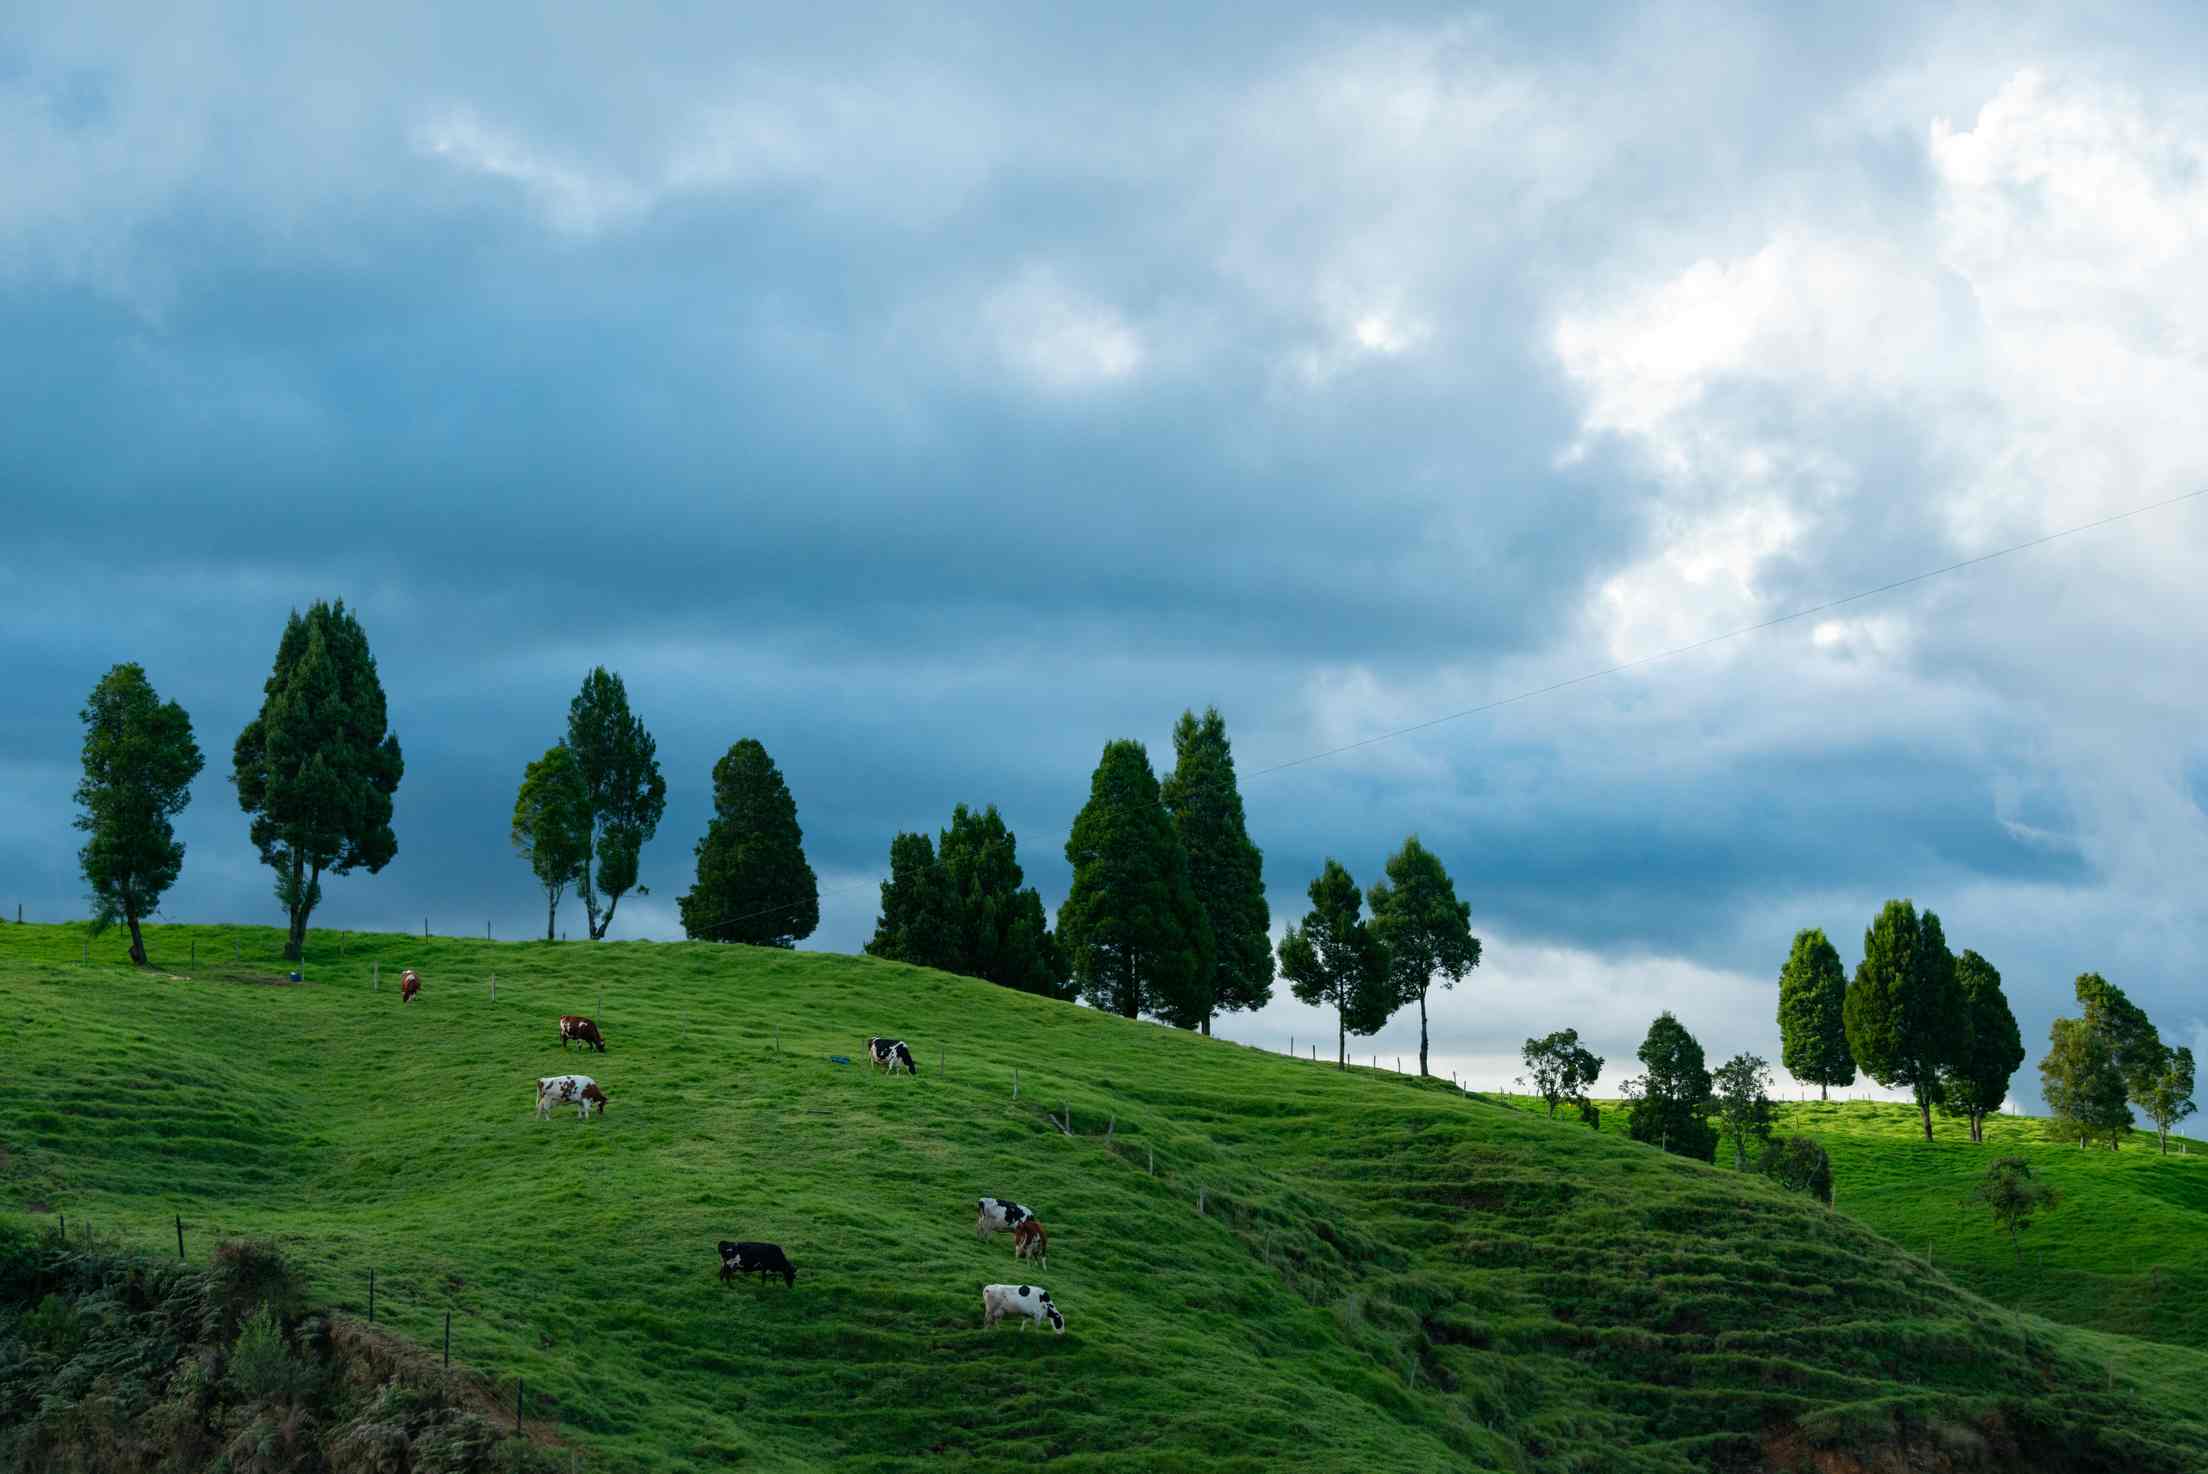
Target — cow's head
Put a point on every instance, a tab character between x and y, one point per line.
596	1097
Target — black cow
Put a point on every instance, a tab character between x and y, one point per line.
760	1259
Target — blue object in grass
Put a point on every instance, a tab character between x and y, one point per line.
839	1059
296	978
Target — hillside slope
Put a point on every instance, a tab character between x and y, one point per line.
1384	1275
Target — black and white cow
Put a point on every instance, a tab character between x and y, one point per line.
1032	1301
760	1259
999	1214
888	1054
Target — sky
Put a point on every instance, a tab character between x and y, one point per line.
936	396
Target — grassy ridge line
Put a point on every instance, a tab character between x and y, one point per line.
1389	1275
2126	1253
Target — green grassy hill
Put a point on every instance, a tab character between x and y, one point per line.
1384	1275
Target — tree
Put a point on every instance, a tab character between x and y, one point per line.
1226	871
139	763
627	796
316	768
1669	1106
1799	1165
2081	1083
2169	1096
999	927
754	884
1744	1104
1560	1068
1333	960
2133	1044
919	920
1812	993
1904	1012
551	827
1976	1081
1425	929
2013	1195
1133	933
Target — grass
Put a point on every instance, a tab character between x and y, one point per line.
1386	1275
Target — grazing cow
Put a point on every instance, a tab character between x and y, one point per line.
559	1090
764	1260
1029	1241
573	1026
998	1214
1032	1301
888	1054
410	983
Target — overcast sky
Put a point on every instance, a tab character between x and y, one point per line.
936	397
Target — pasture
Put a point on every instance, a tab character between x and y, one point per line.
1383	1274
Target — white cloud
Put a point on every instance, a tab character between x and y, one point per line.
1057	337
570	197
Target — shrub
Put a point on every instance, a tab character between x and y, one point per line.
1799	1164
261	1365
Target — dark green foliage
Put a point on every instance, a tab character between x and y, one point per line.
622	784
139	763
1425	930
317	769
754	884
1799	1165
1590	1113
1334	961
960	906
2081	1083
2133	1044
919	919
2169	1095
1669	1107
1976	1081
1812	1032
2013	1195
1744	1114
1225	869
1904	1011
1561	1069
551	826
1132	930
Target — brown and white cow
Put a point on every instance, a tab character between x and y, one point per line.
574	1027
410	983
578	1090
1030	1241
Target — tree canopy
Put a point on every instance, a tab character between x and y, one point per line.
139	763
2169	1095
316	769
1976	1080
1799	1164
1561	1068
959	905
1424	929
626	793
1813	1035
2014	1196
1744	1111
1669	1107
754	884
1226	870
2081	1083
919	917
1904	1012
1133	933
551	826
1332	960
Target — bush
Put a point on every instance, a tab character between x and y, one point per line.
262	1367
1799	1164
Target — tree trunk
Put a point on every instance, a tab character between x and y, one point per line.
137	942
1422	1036
1207	1026
551	916
1130	999
1341	1041
1823	1091
1924	1106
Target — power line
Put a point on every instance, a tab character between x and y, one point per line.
1611	670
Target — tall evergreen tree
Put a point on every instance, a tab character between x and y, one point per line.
2082	1084
551	827
1976	1081
316	768
139	763
919	920
619	762
1812	992
1135	937
1001	932
2169	1097
1334	961
754	884
1226	870
1904	1011
1425	929
1669	1107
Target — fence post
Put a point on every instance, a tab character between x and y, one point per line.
1015	1082
371	1297
1111	1126
518	1385
1200	1202
448	1340
65	1228
494	987
425	928
1152	1168
180	1236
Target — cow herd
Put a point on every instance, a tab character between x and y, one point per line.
1029	1238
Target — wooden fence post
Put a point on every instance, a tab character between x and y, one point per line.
180	1236
1015	1082
494	987
1200	1192
1152	1169
448	1340
371	1297
518	1385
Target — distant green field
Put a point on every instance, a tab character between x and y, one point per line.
1386	1275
